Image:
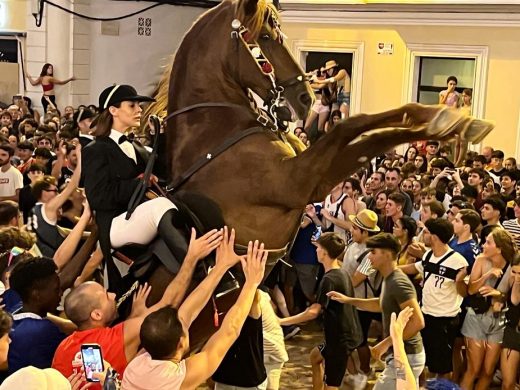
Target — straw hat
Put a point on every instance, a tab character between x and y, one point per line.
365	220
329	65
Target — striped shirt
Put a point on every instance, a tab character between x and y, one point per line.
513	228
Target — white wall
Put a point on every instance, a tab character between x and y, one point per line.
130	58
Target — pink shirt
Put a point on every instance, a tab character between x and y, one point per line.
145	373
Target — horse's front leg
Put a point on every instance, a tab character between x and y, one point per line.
407	116
354	155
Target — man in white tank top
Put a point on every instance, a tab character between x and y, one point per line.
333	207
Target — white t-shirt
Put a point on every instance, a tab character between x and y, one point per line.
10	181
440	296
351	265
274	345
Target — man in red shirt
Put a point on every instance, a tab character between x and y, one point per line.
92	309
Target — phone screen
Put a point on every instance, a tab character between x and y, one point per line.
92	360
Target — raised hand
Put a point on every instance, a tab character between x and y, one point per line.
397	324
226	255
204	245
253	264
139	300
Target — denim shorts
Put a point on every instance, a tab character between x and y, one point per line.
388	378
344	98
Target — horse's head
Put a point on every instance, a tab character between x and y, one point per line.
271	70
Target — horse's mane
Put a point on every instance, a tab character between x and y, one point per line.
253	22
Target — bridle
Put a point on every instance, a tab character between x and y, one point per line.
268	118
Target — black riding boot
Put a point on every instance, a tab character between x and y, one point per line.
173	239
178	245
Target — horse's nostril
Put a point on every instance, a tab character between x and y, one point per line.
305	99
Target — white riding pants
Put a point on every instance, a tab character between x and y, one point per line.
141	228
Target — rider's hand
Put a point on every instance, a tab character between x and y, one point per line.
253	264
203	246
152	180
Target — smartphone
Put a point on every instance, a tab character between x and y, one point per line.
92	360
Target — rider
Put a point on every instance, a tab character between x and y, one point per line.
112	167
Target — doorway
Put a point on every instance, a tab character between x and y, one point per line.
434	73
9	70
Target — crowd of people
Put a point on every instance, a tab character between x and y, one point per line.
423	234
411	251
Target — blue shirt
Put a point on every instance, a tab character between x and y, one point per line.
469	250
12	301
303	250
33	342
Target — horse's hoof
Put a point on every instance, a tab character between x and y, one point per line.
445	123
477	130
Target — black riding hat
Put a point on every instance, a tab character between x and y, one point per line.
120	93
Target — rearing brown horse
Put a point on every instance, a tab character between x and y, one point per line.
260	183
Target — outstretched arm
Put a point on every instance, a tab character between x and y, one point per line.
370	304
195	302
201	366
34	82
52	206
312	312
62	82
198	249
66	250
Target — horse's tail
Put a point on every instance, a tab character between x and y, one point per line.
160	106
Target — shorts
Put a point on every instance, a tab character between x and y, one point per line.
365	319
484	327
320	108
438	338
388	378
511	338
307	277
344	98
335	363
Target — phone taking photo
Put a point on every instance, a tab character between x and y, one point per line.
92	361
